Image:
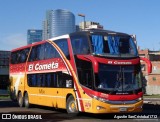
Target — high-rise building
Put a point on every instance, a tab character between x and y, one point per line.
34	36
90	25
4	69
45	34
58	22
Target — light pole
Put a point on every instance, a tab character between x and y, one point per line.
82	15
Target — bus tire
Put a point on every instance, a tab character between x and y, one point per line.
71	106
12	97
26	100
20	99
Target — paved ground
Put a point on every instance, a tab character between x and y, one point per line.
50	114
155	101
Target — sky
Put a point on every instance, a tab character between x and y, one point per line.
139	17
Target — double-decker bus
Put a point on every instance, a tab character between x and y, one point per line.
94	71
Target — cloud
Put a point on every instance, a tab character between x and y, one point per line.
12	41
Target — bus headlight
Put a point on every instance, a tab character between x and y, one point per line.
139	99
100	107
100	99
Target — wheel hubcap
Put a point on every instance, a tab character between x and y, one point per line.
72	107
26	101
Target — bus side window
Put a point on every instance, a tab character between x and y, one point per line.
40	52
67	81
54	80
50	52
18	56
24	55
39	80
63	45
34	80
29	80
33	54
60	80
43	82
64	80
48	80
85	72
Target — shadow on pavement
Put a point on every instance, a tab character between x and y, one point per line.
61	115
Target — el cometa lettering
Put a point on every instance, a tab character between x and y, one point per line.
38	67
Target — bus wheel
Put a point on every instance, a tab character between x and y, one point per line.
71	106
20	99
26	100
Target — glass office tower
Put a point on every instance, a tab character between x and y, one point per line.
34	36
58	22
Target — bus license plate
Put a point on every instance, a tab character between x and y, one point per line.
122	109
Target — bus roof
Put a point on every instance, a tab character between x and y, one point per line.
29	45
59	37
102	31
67	36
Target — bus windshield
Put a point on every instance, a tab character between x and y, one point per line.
119	78
113	45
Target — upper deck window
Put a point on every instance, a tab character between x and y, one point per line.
19	56
113	45
80	44
42	52
63	45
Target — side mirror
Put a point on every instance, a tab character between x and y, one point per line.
149	64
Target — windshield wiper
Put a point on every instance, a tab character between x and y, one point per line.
127	87
130	86
123	81
118	80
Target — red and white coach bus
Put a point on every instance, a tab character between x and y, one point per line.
93	71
